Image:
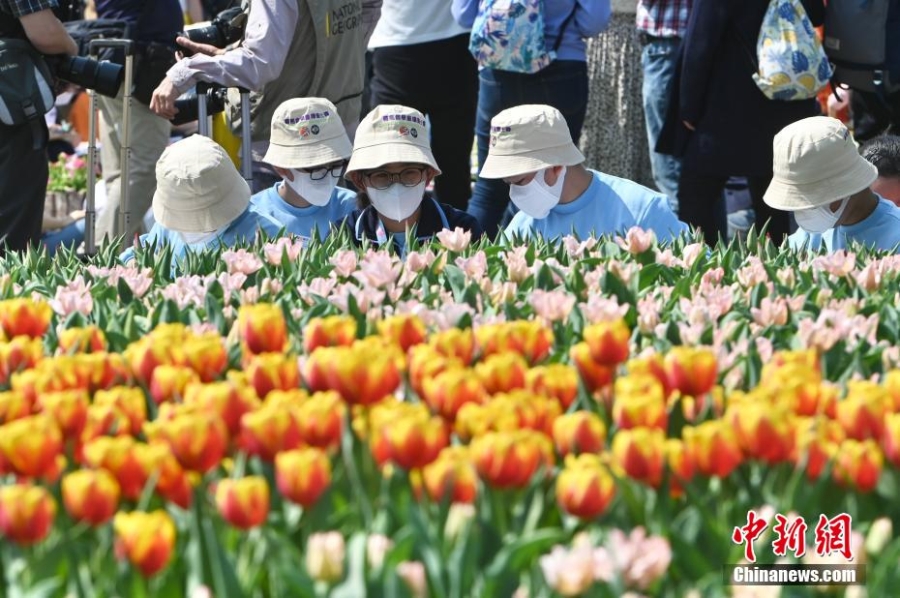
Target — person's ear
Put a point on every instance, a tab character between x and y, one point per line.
356	178
430	174
552	174
284	173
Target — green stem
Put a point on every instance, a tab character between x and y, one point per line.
353	475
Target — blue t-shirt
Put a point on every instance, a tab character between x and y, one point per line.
164	20
881	230
302	221
610	205
243	228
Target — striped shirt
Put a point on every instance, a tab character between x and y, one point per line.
663	18
21	8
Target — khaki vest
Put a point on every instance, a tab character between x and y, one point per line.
326	60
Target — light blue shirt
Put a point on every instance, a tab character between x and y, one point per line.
610	205
591	17
302	221
881	230
243	228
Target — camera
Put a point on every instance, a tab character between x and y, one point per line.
188	107
103	77
224	30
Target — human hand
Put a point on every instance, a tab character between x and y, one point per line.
196	48
163	100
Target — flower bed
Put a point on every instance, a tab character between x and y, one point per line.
474	421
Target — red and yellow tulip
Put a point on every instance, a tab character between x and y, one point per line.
26	513
262	328
608	342
145	539
90	495
243	503
303	475
585	487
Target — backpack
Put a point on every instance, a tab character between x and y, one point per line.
792	64
508	35
862	39
26	85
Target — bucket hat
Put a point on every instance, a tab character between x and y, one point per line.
307	132
816	163
391	134
198	189
527	139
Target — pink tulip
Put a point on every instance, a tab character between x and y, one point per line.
753	273
344	262
516	264
241	261
74	297
636	240
456	239
378	269
413	575
186	291
578	249
285	246
840	263
602	309
552	306
474	267
771	312
691	253
667	258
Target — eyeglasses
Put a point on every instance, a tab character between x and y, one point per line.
317	174
409	177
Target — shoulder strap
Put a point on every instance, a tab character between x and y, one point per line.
565	25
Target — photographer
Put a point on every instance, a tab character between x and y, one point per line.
23	158
154	27
290	49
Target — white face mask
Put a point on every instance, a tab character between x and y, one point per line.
537	198
820	218
397	202
315	192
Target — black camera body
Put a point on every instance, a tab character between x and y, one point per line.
103	77
188	107
226	29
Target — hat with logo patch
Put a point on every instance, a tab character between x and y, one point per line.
391	134
528	139
198	189
307	132
816	162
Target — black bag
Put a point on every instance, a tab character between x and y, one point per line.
26	85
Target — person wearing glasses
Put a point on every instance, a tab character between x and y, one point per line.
392	165
309	149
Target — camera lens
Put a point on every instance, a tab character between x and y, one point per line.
204	35
103	77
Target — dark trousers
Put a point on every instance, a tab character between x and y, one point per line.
874	115
563	85
439	79
23	185
701	203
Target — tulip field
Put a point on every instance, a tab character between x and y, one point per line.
588	418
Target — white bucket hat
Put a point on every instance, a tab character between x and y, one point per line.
528	139
307	132
198	189
391	134
816	163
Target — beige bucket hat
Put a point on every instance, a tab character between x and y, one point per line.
307	132
198	189
527	139
389	134
816	163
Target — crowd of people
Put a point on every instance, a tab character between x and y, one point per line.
364	114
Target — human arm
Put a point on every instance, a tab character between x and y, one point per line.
371	12
706	28
257	61
592	17
47	34
465	11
